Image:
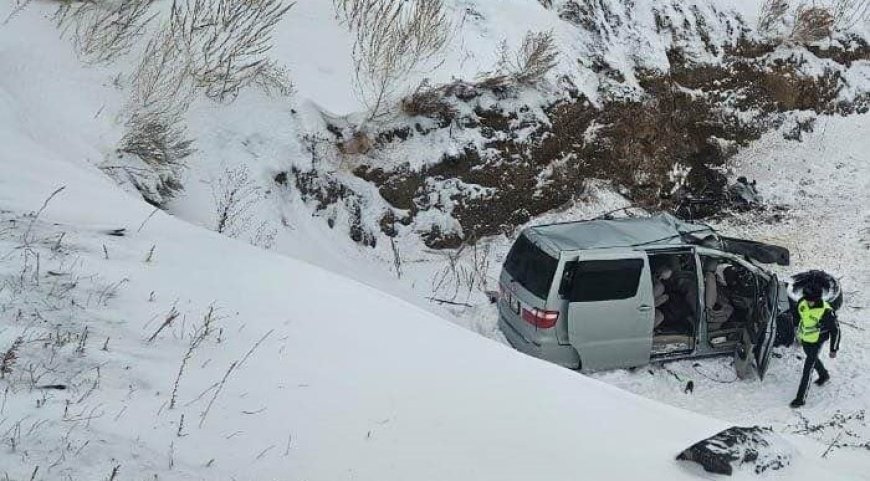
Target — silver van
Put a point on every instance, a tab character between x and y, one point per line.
620	293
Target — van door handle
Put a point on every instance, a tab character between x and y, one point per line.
644	308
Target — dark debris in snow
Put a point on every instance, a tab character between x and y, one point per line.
753	447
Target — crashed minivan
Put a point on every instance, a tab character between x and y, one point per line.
620	293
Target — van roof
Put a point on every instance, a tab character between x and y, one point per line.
660	229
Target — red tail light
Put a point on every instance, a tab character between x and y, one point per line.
539	318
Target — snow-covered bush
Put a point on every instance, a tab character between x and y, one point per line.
151	156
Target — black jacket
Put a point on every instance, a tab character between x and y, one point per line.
830	329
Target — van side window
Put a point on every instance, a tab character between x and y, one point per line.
593	281
531	267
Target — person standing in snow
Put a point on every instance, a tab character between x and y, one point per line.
818	323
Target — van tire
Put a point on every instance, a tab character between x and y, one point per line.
833	293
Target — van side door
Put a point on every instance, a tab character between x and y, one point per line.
610	308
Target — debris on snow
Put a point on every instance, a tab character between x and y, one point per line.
757	448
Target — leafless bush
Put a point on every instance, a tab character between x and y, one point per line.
393	38
527	66
234	195
161	82
151	156
536	57
812	24
103	30
226	41
157	141
152	151
427	101
9	357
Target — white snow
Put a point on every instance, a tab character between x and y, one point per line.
347	373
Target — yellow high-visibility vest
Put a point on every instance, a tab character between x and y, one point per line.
810	318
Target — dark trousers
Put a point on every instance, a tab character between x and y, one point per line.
811	362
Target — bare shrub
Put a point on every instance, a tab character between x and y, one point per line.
226	41
812	24
9	357
103	30
536	57
151	156
392	39
427	101
155	144
234	194
527	66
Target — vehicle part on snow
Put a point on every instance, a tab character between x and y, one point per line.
743	194
756	448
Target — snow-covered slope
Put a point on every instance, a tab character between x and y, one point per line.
301	373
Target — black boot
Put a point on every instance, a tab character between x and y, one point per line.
796	404
823	379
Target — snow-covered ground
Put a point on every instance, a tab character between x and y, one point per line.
306	373
268	368
824	183
819	196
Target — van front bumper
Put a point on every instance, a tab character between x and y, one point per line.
556	353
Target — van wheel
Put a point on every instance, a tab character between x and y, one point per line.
831	291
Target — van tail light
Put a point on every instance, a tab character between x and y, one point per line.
540	318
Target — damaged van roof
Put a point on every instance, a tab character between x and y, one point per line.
660	229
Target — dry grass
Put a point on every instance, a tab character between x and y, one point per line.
536	57
103	30
427	101
812	24
225	44
392	39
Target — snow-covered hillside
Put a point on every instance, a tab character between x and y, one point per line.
138	343
187	355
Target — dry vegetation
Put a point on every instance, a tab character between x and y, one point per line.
807	22
392	38
104	30
225	42
213	47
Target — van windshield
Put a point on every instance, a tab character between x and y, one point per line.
531	267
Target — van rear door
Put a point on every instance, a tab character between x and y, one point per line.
525	283
766	325
610	309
